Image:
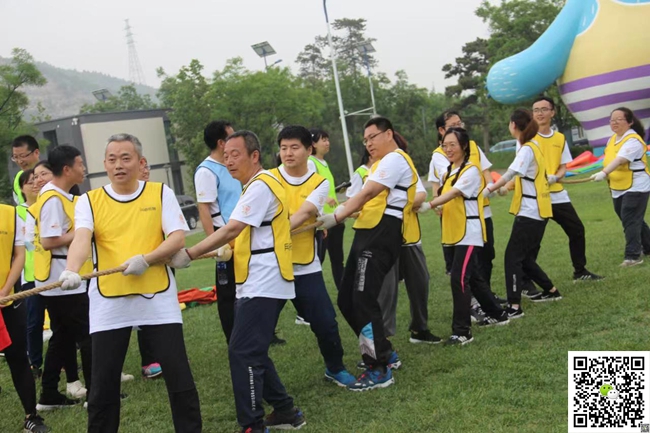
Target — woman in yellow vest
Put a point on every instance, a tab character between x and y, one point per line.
626	170
464	234
531	206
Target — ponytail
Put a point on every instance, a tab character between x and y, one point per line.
636	126
525	124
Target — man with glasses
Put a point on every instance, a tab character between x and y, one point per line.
25	153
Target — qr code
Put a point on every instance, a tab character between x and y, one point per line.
608	392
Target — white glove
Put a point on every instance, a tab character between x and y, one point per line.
424	207
181	259
69	280
503	191
486	191
438	210
551	179
136	265
339	208
328	221
599	177
224	253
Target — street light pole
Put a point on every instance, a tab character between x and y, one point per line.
344	127
372	92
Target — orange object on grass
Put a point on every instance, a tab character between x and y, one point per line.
495	176
198	296
583	159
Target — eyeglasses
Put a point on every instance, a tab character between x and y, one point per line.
619	120
16	158
542	110
449	146
456	125
371	137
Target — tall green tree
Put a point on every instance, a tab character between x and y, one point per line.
127	99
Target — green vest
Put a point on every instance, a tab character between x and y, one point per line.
29	254
362	171
324	171
17	192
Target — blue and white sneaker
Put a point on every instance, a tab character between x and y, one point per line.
371	379
393	362
343	378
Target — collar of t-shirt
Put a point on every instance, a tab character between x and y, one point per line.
124	197
209	158
51	187
544	135
629	131
293	179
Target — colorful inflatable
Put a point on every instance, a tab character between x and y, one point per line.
599	53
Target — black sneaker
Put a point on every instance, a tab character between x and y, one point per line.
56	402
424	337
477	314
585	275
530	292
495	321
548	296
290	420
459	340
35	424
277	341
501	301
514	313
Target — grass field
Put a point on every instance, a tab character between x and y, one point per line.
510	379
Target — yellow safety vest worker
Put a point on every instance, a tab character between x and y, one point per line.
281	229
454	213
542	194
7	240
552	148
621	178
474	158
303	250
123	230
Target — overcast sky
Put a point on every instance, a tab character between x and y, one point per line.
419	36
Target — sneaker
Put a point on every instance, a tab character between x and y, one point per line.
290	420
371	379
459	340
35	424
277	341
477	314
76	389
531	292
501	301
58	402
631	262
343	378
393	362
424	337
495	321
514	313
126	377
548	296
152	371
585	275
301	321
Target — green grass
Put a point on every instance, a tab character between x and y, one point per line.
512	378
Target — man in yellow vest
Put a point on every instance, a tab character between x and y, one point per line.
25	153
259	225
140	225
53	215
384	200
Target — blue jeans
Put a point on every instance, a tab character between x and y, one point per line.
35	318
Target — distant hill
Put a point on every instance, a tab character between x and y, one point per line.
68	89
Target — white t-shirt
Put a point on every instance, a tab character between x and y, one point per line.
631	150
356	184
392	171
525	165
317	197
256	205
53	222
419	187
469	184
114	313
205	182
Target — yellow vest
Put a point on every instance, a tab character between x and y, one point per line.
7	240
42	257
281	235
543	195
303	251
373	211
454	214
552	148
621	178
123	230
474	158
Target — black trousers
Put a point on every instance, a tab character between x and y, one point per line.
146	351
252	372
630	208
373	253
521	255
486	254
333	243
109	350
226	296
70	328
467	280
15	319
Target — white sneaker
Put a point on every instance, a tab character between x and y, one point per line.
631	262
301	321
76	389
126	377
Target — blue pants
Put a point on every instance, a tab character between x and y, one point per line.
35	318
315	306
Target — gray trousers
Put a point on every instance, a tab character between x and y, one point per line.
412	266
630	208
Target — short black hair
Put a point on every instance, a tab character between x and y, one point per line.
545	98
25	140
441	121
215	131
296	132
22	180
382	123
317	134
62	156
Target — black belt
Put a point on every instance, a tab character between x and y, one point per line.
528	179
398	209
637	170
529	196
214	215
471	198
59	256
262	251
476	217
266	223
401	188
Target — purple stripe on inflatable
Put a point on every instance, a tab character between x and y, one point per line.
593	124
610	77
600	142
616	98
